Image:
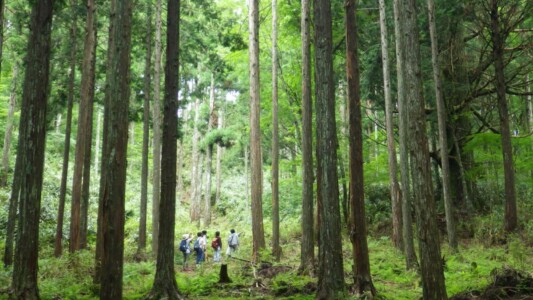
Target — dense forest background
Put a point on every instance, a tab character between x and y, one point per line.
249	167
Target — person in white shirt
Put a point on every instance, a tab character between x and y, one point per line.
233	243
203	244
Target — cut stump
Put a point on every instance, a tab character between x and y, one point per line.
224	278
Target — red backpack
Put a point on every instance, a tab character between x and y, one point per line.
214	244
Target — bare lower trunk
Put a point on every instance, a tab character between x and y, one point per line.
195	161
9	128
97	142
276	249
12	213
219	161
212	119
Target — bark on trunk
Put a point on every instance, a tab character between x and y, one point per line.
58	246
12	215
32	128
407	230
307	251
256	160
156	119
397	238
219	161
361	268
9	127
195	204
330	274
2	4
498	43
165	286
146	131
97	142
431	266
115	161
276	249
212	117
443	140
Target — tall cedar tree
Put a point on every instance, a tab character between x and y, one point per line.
276	249
165	286
330	273
209	154
256	161
32	128
307	254
407	219
146	131
58	246
431	267
89	63
2	4
156	119
443	140
361	268
115	150
397	238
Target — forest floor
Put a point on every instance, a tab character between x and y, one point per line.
467	273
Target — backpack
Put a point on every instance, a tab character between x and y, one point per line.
214	244
197	245
183	246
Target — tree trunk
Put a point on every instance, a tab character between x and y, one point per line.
223	277
115	161
330	274
256	160
498	44
97	142
165	286
58	246
156	119
9	127
195	161
212	118
146	132
219	160
443	140
397	238
529	105
12	216
431	266
90	64
32	128
361	268
407	220
2	4
307	251
276	249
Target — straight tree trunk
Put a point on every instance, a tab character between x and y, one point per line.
407	220
431	267
146	131
195	204
115	161
498	44
443	140
165	286
330	270
2	4
32	128
97	142
529	105
156	119
212	118
397	238
9	127
58	246
307	251
361	268
276	249
219	159
256	160
90	64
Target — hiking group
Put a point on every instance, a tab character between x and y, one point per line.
200	246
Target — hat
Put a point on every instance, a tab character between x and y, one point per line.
185	236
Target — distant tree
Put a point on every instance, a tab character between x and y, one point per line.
165	286
361	268
32	128
397	238
156	121
196	166
256	161
276	249
58	246
2	4
115	150
307	255
209	154
431	267
330	270
146	130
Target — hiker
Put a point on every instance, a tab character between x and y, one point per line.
198	249
216	244
233	242
203	244
185	248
